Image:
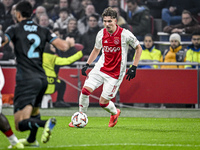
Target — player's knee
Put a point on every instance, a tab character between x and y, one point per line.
85	91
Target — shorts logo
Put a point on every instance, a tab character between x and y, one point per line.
116	41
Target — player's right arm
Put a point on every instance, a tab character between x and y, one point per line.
3	40
97	47
93	55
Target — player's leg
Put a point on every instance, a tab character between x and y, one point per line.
51	122
31	140
93	81
7	131
110	89
84	99
26	95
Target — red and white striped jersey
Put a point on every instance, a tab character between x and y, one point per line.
114	51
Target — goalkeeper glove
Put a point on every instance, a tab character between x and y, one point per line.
131	73
85	67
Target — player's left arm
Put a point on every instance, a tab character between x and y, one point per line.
138	52
131	73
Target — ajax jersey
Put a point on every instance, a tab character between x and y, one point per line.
114	51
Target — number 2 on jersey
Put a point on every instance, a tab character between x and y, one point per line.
37	41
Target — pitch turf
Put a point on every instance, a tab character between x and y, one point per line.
131	133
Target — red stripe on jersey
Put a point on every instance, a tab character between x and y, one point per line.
112	52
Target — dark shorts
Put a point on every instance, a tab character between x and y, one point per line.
29	92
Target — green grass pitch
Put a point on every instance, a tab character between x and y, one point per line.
130	133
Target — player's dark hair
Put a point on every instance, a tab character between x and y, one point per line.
109	12
25	8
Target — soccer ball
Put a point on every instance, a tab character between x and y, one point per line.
79	119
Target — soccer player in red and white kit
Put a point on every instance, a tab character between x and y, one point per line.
111	66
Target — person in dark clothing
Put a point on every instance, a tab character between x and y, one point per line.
139	19
29	40
189	25
88	39
71	32
156	7
51	65
174	8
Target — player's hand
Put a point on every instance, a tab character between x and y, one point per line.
131	73
85	67
71	41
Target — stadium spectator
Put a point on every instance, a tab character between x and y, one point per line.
174	8
111	66
81	10
72	30
149	52
50	5
193	52
54	12
112	3
31	82
39	11
8	6
155	7
64	17
34	5
51	65
8	16
100	5
188	25
2	15
175	53
44	21
83	22
138	18
88	38
4	124
120	20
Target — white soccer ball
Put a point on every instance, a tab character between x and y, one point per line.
79	119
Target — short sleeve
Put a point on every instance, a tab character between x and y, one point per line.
10	32
131	39
50	36
98	42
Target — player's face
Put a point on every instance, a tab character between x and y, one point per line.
148	42
174	43
110	24
196	41
18	16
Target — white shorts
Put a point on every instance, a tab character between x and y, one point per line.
110	85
